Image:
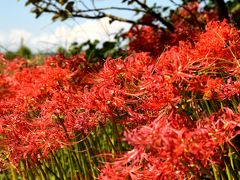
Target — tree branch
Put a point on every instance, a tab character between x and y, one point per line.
156	15
68	9
98	16
221	9
193	16
110	8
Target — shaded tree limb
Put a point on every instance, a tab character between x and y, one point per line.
221	9
155	14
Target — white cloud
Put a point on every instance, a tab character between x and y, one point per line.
17	35
63	35
2	40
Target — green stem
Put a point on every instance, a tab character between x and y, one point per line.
13	172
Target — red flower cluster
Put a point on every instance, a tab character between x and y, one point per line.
39	106
187	85
188	20
162	151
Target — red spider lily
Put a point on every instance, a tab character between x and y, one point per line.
159	145
188	21
169	146
41	113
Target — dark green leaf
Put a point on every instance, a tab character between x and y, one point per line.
165	9
55	17
63	15
62	2
37	11
32	2
69	6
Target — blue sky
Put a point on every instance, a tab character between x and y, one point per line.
16	23
14	14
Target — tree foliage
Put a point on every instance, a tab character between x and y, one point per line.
64	9
22	51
